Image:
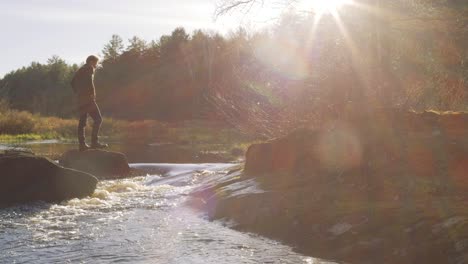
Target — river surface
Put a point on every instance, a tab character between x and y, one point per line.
144	219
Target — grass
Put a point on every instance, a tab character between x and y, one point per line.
203	136
23	126
23	137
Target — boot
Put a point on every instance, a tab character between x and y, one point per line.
84	147
97	145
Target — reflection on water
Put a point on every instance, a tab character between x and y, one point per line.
138	220
54	148
135	152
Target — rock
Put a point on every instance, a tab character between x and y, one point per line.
258	158
287	154
26	177
103	164
329	219
379	138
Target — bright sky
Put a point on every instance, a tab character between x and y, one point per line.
34	30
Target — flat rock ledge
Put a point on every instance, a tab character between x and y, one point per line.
101	163
26	178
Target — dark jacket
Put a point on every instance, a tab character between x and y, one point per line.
83	84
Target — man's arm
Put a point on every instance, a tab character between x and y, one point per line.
88	78
88	83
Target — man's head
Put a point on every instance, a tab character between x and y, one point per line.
92	60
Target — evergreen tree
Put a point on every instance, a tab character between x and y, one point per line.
113	49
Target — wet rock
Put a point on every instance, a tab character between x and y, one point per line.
25	177
103	164
258	158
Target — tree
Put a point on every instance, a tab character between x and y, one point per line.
136	45
113	49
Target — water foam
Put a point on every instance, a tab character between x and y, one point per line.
132	220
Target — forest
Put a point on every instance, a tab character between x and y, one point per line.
299	70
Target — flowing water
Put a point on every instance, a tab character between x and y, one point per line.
139	220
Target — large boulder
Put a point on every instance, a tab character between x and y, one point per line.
25	177
103	164
364	141
285	154
306	150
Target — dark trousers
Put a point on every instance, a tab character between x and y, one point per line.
92	110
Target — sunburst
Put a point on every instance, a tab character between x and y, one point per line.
322	7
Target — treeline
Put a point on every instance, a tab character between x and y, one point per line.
169	79
411	56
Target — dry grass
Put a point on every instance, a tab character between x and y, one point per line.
14	122
18	126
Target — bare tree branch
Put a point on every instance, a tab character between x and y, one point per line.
245	6
227	6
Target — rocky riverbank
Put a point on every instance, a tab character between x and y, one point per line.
380	187
27	177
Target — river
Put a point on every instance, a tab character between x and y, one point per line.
144	219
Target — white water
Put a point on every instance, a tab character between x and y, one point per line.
138	220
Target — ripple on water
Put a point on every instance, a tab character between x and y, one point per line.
132	221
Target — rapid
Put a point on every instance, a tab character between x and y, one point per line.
146	219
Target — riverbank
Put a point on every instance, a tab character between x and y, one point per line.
188	141
383	187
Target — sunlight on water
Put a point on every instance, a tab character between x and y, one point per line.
138	220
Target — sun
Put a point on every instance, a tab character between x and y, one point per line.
324	6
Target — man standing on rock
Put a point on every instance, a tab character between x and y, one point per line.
83	87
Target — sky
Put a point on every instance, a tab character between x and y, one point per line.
35	30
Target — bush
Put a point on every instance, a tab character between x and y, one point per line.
57	126
15	122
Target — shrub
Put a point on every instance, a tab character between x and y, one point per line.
54	125
15	122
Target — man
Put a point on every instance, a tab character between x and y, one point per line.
83	87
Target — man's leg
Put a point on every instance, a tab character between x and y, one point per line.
95	114
81	129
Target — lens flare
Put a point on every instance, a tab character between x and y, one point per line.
325	6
